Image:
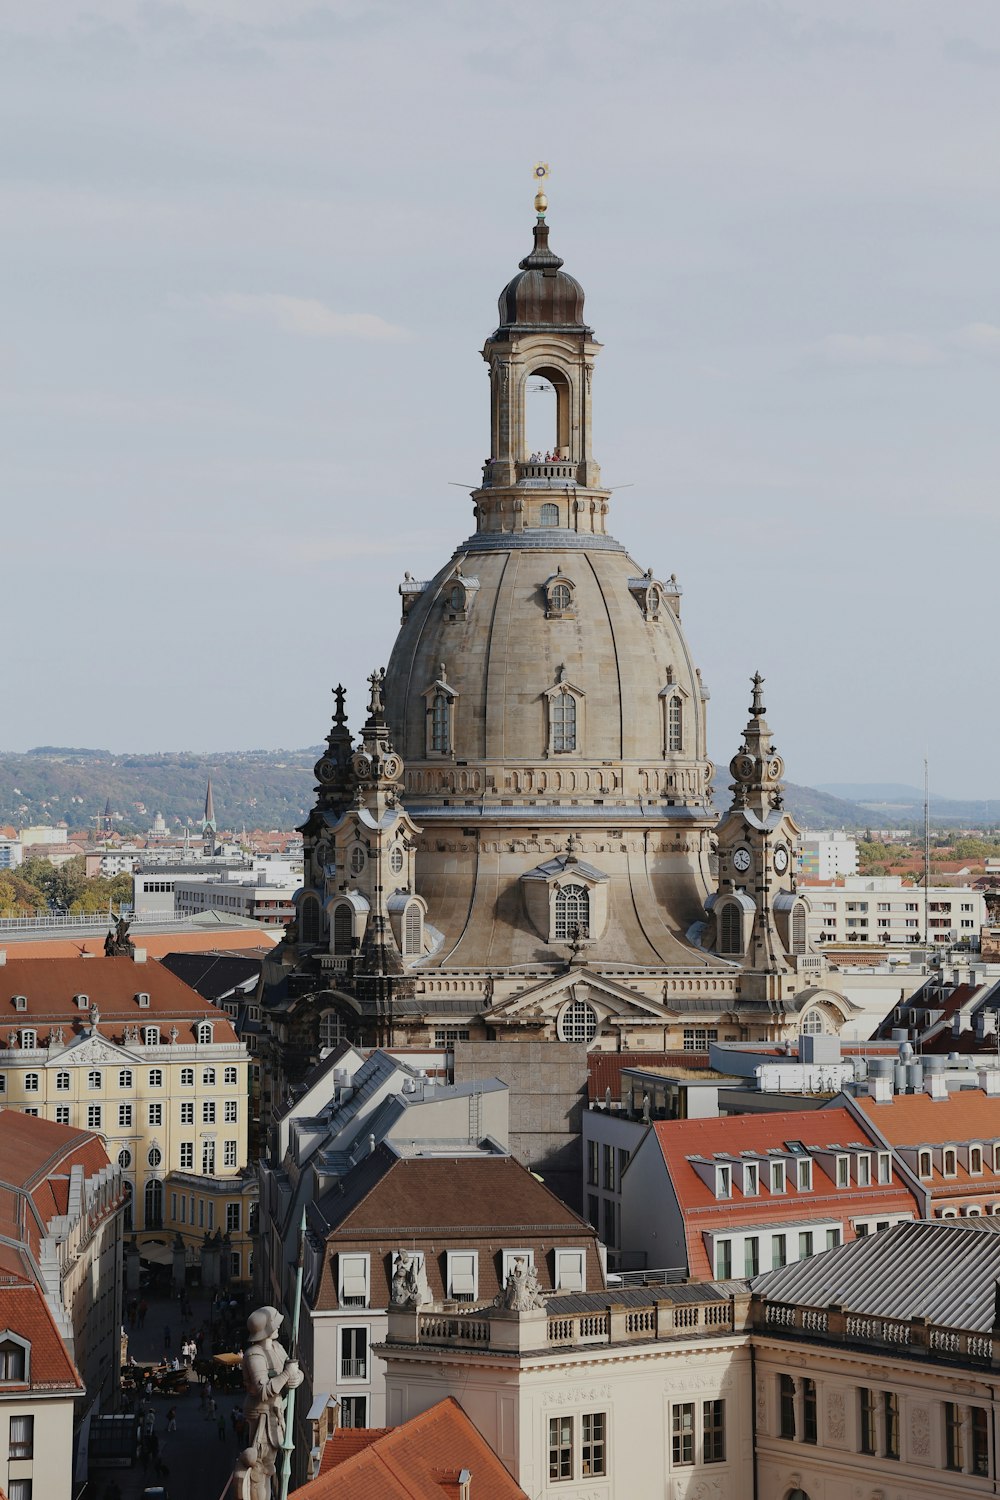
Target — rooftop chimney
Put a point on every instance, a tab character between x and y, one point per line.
989	1081
936	1085
139	956
880	1088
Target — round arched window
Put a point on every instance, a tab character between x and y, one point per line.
155	1156
124	1160
396	861
578	1022
653	601
560	596
812	1023
357	860
457	596
548	515
332	1030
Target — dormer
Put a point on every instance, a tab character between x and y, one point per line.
748	1176
142	1000
458	595
82	1002
717	1175
439	715
651	595
20	1002
410	590
15	1359
559	593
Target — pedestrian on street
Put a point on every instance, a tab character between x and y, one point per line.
172	1419
211	1407
150	1421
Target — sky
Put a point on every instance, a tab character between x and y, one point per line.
253	248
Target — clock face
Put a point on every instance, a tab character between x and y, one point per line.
781	859
741	860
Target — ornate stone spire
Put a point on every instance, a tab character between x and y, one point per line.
757	767
376	767
333	769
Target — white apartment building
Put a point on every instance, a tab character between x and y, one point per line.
11	853
154	882
827	855
881	909
261	892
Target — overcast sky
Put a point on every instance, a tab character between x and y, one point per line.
253	248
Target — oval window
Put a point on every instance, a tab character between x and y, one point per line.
357	860
155	1156
396	861
124	1160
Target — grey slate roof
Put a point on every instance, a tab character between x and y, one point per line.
942	1270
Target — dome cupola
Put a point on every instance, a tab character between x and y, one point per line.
542	295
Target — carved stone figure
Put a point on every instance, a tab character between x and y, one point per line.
522	1292
405	1283
268	1373
118	944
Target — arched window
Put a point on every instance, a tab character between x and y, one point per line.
798	928
548	515
440	714
310	919
332	1030
812	1023
578	1022
456	597
675	723
731	929
204	1033
343	929
413	930
563	722
560	597
572	913
153	1204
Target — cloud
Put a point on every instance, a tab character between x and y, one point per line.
875	349
983	337
307	316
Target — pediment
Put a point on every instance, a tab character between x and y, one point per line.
83	1051
580	984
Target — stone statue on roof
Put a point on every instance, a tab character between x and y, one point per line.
268	1373
118	944
405	1290
522	1292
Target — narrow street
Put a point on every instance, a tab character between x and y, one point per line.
198	1459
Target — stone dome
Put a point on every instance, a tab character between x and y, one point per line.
505	628
543	295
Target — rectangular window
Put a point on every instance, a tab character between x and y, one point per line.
723	1182
19	1489
804	1172
866	1424
560	1448
156	1078
151	1036
750	1180
229	1111
623	1160
93	1117
354	1354
975	1160
125	1078
610	1237
208	1112
187	1078
571	1271
229	1153
593	1210
211	1215
155	1114
229	1077
208	1077
593	1452
592	1156
187	1112
884	1167
22	1437
463	1274
208	1158
953	1455
723	1260
979	1434
779	1251
713	1430
805	1244
843	1171
354	1411
124	1117
832	1239
353	1280
777	1177
608	1163
187	1156
786	1407
682	1433
62	1114
809	1416
31	1083
233	1218
62	1083
890	1412
751	1256
863	1166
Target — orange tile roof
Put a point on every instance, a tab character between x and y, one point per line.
816	1129
23	1311
50	984
968	1116
421	1460
36	1158
156	944
347	1441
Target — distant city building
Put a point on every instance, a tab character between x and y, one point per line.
258	892
825	856
43	834
154	882
11	853
881	909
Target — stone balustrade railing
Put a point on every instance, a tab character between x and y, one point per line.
916	1335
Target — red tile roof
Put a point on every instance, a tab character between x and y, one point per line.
421	1460
679	1140
36	1159
347	1441
156	944
966	1117
50	985
23	1311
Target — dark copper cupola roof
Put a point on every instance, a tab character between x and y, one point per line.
542	295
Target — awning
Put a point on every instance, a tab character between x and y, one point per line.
156	1253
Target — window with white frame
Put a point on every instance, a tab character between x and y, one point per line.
208	1112
151	1036
229	1076
572	914
29	1040
354	1411
204	1032
804	1174
675	723
62	1083
94	1079
975	1161
234	1218
463	1275
924	1163
863	1170
31	1083
187	1111
354	1279
125	1078
229	1153
949	1160
562	715
187	1078
777	1169
208	1157
354	1353
230	1111
94	1116
723	1182
154	1114
187	1156
578	1022
843	1171
571	1271
13	1359
124	1117
884	1167
62	1114
208	1077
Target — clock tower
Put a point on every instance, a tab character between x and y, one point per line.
756	914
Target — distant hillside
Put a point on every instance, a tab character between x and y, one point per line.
905	804
259	788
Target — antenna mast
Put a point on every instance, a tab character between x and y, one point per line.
927	851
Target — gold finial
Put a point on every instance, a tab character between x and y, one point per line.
540	172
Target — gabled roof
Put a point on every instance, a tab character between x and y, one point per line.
964	1116
421	1460
213	975
36	1160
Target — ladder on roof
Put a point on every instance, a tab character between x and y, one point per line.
476	1115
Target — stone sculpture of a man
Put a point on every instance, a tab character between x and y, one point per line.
268	1373
405	1282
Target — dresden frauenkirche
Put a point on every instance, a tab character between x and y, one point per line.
523	844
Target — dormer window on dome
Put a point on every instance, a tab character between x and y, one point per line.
675	705
439	700
458	595
566	705
559	591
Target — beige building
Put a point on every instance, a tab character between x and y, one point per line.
121	1047
521	847
39	1389
881	909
